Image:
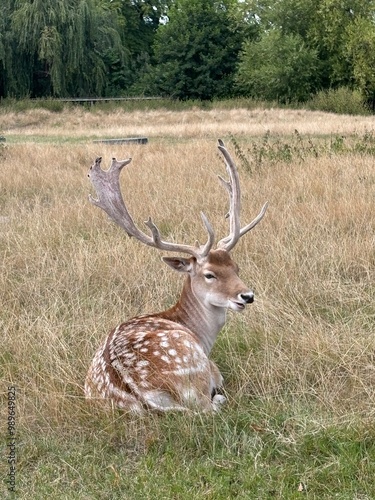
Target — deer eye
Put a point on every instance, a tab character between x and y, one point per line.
209	276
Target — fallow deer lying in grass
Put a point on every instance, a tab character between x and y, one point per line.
161	361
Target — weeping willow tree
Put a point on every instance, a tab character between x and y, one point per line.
60	48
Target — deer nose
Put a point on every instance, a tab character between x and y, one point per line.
247	297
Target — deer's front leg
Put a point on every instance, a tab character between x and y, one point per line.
216	377
216	384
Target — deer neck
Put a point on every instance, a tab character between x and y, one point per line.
205	321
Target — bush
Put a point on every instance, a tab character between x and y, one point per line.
20	105
341	100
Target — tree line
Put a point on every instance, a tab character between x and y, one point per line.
285	50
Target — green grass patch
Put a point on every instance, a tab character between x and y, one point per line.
259	451
51	139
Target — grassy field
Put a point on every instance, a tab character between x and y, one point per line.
299	365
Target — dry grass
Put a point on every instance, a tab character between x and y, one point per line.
185	125
68	275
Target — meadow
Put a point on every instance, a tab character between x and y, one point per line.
298	364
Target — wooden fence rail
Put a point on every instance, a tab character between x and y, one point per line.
92	100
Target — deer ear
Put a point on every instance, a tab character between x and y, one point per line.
179	264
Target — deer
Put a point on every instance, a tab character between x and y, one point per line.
160	362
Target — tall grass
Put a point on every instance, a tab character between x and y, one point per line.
342	100
299	364
130	104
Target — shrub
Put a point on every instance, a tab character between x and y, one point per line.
341	100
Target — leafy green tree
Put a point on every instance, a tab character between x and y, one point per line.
61	47
288	22
284	49
360	47
329	34
277	67
326	29
3	20
196	51
290	16
138	21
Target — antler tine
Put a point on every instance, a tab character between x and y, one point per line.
107	187
234	191
245	229
199	251
211	237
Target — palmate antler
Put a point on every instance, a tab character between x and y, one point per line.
110	199
107	187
